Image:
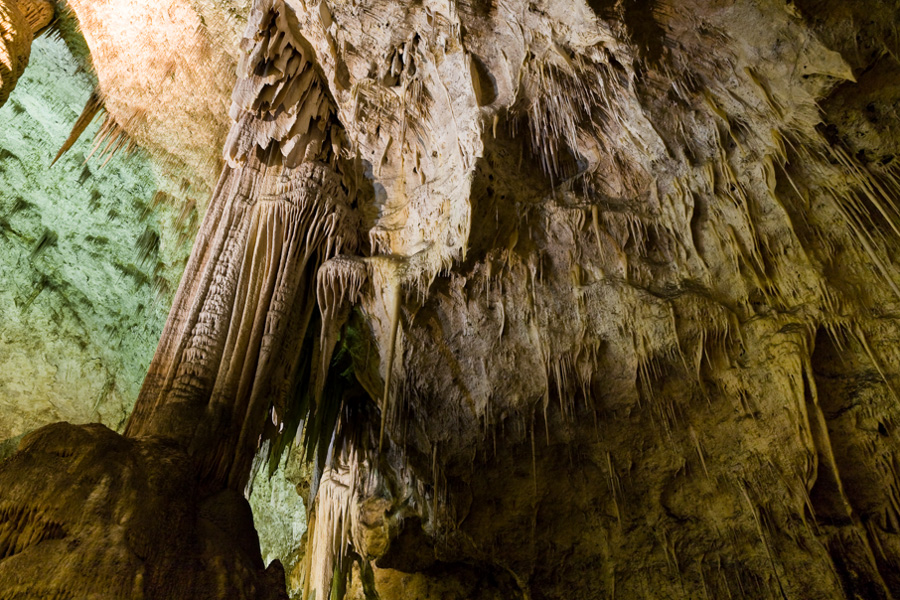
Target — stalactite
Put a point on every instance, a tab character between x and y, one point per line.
331	528
92	107
242	310
339	283
230	350
724	231
387	274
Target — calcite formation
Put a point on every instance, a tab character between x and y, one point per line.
606	291
164	79
229	357
20	20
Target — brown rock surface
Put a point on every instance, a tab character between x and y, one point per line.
15	46
86	513
20	20
628	323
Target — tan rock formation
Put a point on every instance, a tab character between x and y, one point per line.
101	516
620	315
164	81
232	348
20	20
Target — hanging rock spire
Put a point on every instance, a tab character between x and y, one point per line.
229	353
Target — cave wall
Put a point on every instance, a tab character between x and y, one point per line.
89	257
610	328
641	262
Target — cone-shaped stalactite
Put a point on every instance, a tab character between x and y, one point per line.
231	348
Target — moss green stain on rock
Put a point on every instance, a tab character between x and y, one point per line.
279	515
87	260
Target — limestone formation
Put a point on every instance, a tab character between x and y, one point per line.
229	358
102	516
562	299
20	20
164	80
37	13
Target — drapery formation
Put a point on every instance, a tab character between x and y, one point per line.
231	347
230	351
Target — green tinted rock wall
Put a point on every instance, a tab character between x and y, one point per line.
89	256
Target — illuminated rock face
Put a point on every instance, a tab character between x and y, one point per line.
89	257
617	315
164	80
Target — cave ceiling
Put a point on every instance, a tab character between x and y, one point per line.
538	299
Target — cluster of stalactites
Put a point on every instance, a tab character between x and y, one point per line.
325	227
331	529
290	234
280	91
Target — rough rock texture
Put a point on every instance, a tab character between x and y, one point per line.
164	79
90	256
669	222
102	516
622	318
228	359
279	516
15	47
